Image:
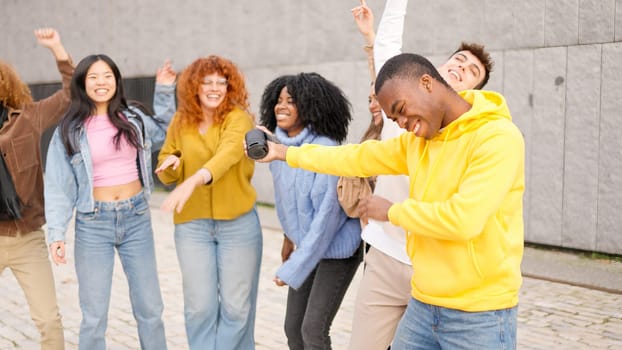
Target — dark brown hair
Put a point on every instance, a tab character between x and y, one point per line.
482	55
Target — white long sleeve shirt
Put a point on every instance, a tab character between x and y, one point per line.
384	236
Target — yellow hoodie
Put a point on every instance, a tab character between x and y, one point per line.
464	215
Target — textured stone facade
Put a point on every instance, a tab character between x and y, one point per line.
558	63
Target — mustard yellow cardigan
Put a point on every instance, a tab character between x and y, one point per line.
220	150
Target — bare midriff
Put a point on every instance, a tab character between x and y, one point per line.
118	192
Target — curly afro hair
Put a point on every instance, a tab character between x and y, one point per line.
321	105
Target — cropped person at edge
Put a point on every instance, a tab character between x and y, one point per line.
22	240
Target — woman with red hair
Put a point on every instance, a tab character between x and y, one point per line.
217	231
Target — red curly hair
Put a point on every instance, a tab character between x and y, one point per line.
14	93
189	107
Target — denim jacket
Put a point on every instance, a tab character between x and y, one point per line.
69	179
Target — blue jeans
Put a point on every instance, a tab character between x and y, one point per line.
427	327
312	307
126	226
220	261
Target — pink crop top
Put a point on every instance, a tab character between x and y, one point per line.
111	166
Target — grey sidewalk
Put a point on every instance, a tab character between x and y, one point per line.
551	315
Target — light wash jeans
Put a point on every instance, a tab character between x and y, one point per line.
428	327
126	226
220	261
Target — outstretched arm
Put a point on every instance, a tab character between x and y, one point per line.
276	151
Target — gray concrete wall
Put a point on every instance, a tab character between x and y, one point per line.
557	63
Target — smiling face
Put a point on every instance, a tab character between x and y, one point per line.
286	114
374	106
463	71
412	107
100	85
212	91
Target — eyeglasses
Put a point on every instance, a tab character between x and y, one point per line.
221	82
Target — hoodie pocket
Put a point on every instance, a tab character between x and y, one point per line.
475	260
489	250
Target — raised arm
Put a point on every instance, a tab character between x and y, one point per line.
164	94
388	44
48	111
49	37
166	75
390	31
364	19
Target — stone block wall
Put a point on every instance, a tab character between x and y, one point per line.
558	63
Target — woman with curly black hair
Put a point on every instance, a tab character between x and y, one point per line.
321	248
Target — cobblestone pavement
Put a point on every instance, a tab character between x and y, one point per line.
551	315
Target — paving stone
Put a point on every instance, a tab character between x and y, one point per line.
551	315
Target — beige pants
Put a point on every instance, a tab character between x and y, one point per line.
27	256
382	298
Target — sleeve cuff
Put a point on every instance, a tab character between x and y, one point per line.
165	88
292	156
393	214
207	176
285	275
55	237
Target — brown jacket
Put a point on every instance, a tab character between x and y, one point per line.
20	146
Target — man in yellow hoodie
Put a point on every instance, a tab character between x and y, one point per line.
464	216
